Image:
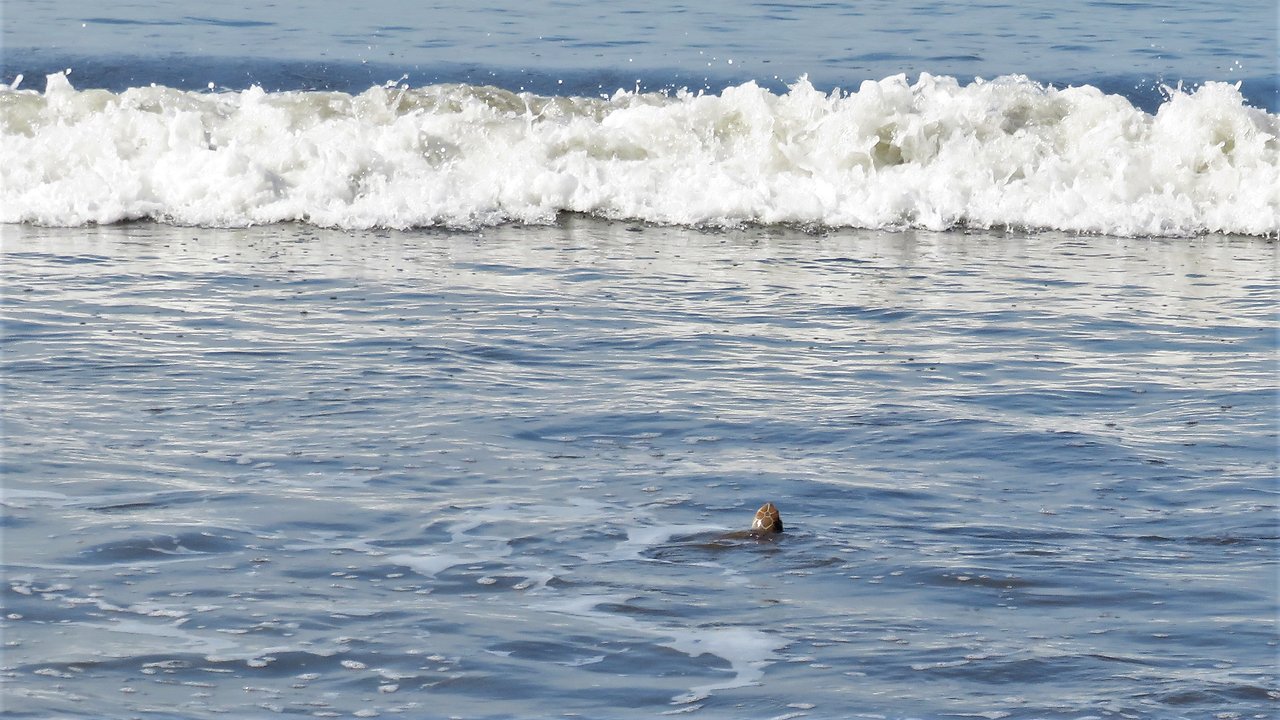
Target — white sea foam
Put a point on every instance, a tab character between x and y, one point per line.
644	537
470	549
143	637
933	154
747	650
17	498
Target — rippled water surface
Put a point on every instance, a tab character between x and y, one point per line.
482	475
577	47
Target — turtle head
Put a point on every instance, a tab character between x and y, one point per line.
767	519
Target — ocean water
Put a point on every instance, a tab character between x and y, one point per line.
443	474
1112	118
545	45
390	360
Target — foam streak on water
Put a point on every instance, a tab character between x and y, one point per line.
891	154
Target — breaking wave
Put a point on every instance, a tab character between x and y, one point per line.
933	154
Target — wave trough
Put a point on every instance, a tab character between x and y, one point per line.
893	154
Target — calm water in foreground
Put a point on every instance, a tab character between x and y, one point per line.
431	474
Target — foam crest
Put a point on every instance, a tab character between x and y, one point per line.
893	154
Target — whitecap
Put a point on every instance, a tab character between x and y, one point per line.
892	154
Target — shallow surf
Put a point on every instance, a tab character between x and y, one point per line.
290	469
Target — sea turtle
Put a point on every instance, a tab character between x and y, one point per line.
767	525
768	521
